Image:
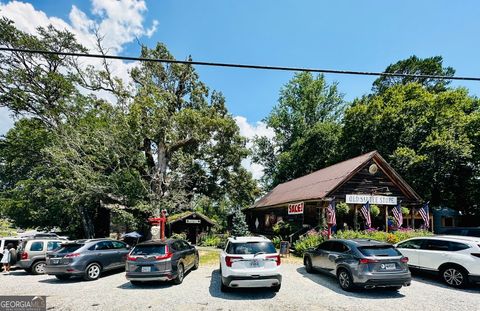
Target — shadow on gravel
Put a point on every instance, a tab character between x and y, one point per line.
331	283
237	293
146	285
19	273
434	280
77	279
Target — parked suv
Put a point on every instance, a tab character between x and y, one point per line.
360	263
455	258
158	260
250	262
32	253
86	258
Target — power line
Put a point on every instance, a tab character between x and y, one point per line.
242	66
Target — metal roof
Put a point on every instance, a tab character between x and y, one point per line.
319	184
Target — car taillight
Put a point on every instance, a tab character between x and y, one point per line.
228	260
24	255
132	258
277	259
367	261
72	255
404	259
166	256
476	255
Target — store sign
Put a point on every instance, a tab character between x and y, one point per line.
372	199
193	221
294	209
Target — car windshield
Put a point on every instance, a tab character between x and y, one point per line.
70	248
153	250
379	251
251	248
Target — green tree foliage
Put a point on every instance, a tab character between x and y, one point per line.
240	227
418	66
306	127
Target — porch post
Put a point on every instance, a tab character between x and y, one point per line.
386	218
355	218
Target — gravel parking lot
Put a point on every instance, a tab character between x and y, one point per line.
201	291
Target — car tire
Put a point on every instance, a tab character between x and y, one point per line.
92	272
62	277
39	267
196	263
454	276
180	274
224	288
308	265
276	288
345	280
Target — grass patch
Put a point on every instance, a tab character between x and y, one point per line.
209	258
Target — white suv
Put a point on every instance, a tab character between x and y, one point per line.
250	262
456	258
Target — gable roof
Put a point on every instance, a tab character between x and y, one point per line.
319	184
178	217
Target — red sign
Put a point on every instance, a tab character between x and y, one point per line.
296	208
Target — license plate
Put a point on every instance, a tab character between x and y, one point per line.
146	269
55	261
388	266
255	263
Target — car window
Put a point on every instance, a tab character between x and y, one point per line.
475	233
119	245
52	245
325	246
455	246
411	244
379	251
185	245
36	247
339	247
69	248
154	250
435	245
250	248
104	245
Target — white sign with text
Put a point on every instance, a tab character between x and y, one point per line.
373	199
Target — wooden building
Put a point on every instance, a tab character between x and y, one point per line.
190	223
302	202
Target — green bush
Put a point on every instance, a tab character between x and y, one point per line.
213	240
276	241
390	237
307	241
374	210
179	236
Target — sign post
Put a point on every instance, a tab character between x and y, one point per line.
160	221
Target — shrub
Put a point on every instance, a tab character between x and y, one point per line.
213	240
307	241
342	209
391	237
374	210
276	241
180	236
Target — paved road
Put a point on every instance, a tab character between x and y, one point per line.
201	291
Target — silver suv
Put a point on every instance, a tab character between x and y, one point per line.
360	263
32	253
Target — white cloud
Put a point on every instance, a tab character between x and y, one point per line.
249	131
119	22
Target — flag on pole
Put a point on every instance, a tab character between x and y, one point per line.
425	213
366	214
397	214
331	218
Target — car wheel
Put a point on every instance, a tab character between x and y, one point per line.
39	267
455	276
196	263
180	274
276	288
92	272
308	265
62	277
224	288
345	280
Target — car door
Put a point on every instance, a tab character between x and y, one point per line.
433	253
321	253
338	251
104	253
121	252
189	252
410	249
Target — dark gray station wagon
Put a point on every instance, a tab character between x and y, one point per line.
87	258
360	263
158	260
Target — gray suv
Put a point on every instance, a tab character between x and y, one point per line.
360	263
158	260
32	253
86	258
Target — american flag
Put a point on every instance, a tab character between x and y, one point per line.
397	214
424	212
366	214
331	218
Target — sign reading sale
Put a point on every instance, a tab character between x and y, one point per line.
296	208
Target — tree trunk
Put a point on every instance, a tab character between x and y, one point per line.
161	170
88	228
102	222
